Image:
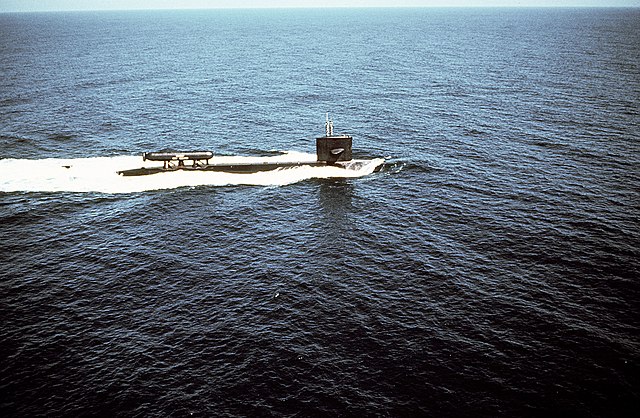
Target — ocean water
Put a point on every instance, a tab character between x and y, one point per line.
482	261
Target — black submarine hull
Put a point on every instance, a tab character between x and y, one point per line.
331	150
236	168
171	155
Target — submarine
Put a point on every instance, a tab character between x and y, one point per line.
331	150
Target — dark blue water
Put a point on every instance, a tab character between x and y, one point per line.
490	268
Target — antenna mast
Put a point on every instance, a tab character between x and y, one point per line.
328	126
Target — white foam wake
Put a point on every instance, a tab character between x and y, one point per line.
99	174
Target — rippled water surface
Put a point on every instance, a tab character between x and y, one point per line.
490	268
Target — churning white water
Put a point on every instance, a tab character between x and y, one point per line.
100	174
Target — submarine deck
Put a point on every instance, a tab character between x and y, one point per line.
240	167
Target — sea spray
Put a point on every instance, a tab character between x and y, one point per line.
99	174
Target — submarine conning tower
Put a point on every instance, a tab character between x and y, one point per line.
332	148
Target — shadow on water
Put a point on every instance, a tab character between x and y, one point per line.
335	198
335	230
